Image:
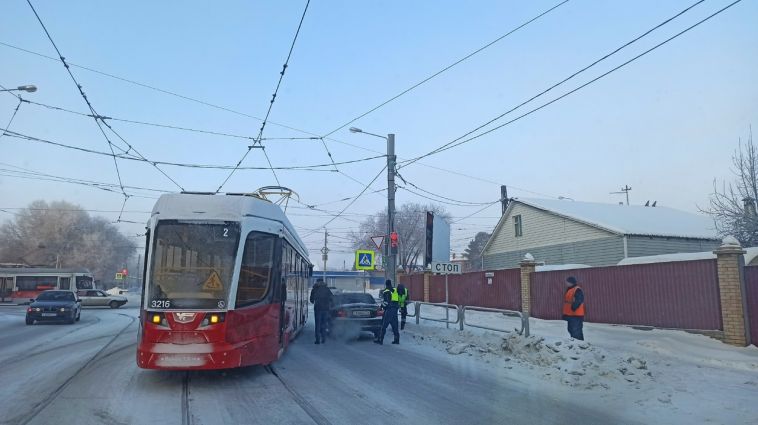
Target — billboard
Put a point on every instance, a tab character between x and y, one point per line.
437	247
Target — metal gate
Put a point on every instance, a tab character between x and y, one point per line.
751	294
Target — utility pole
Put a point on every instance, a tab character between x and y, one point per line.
503	198
625	190
391	271
325	254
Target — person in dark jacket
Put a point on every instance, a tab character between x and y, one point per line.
402	293
321	298
573	308
390	304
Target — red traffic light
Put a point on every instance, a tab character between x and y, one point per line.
393	239
125	272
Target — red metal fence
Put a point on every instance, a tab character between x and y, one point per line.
682	295
751	289
471	289
415	285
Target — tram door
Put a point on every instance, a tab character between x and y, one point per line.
6	288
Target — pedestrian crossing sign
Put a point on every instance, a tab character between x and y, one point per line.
364	260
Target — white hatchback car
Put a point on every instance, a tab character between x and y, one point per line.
98	298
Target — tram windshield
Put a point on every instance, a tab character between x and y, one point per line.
192	264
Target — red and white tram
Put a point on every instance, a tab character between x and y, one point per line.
225	283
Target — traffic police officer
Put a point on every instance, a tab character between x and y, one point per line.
402	293
391	304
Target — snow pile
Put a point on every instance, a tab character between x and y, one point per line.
576	363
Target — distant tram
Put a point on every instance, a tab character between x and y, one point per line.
20	284
225	283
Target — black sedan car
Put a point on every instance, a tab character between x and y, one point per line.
60	306
353	313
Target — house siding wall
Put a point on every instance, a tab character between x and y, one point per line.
540	229
639	246
597	252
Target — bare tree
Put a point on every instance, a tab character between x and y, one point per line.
410	221
733	206
473	253
60	234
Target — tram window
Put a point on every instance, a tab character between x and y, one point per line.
36	283
257	265
192	265
65	283
84	282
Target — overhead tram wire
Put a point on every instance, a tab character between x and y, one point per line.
445	69
13	116
311	135
355	198
270	106
456	142
593	80
91	108
137	122
306	167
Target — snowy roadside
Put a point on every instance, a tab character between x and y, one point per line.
655	376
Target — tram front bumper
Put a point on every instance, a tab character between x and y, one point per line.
188	356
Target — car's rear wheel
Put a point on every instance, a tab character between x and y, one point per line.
29	321
114	304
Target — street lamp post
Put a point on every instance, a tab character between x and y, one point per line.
29	88
390	272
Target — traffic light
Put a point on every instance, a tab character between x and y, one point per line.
393	239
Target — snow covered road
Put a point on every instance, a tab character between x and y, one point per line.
86	374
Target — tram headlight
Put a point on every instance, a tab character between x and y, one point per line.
156	319
212	319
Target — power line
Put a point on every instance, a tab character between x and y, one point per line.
77	210
145	123
453	143
355	198
429	78
26	173
475	212
306	167
270	106
10	121
89	105
455	202
312	135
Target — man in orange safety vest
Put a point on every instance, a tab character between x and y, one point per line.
573	308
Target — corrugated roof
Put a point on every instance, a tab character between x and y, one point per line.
630	219
750	254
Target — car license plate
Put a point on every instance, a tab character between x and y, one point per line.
49	314
361	313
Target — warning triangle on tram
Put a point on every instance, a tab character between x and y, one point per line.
213	283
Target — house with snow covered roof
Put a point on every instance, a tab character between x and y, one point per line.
569	232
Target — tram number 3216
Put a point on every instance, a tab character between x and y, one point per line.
160	303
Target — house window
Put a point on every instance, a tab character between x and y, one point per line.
517	225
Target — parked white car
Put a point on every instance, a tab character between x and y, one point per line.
98	298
